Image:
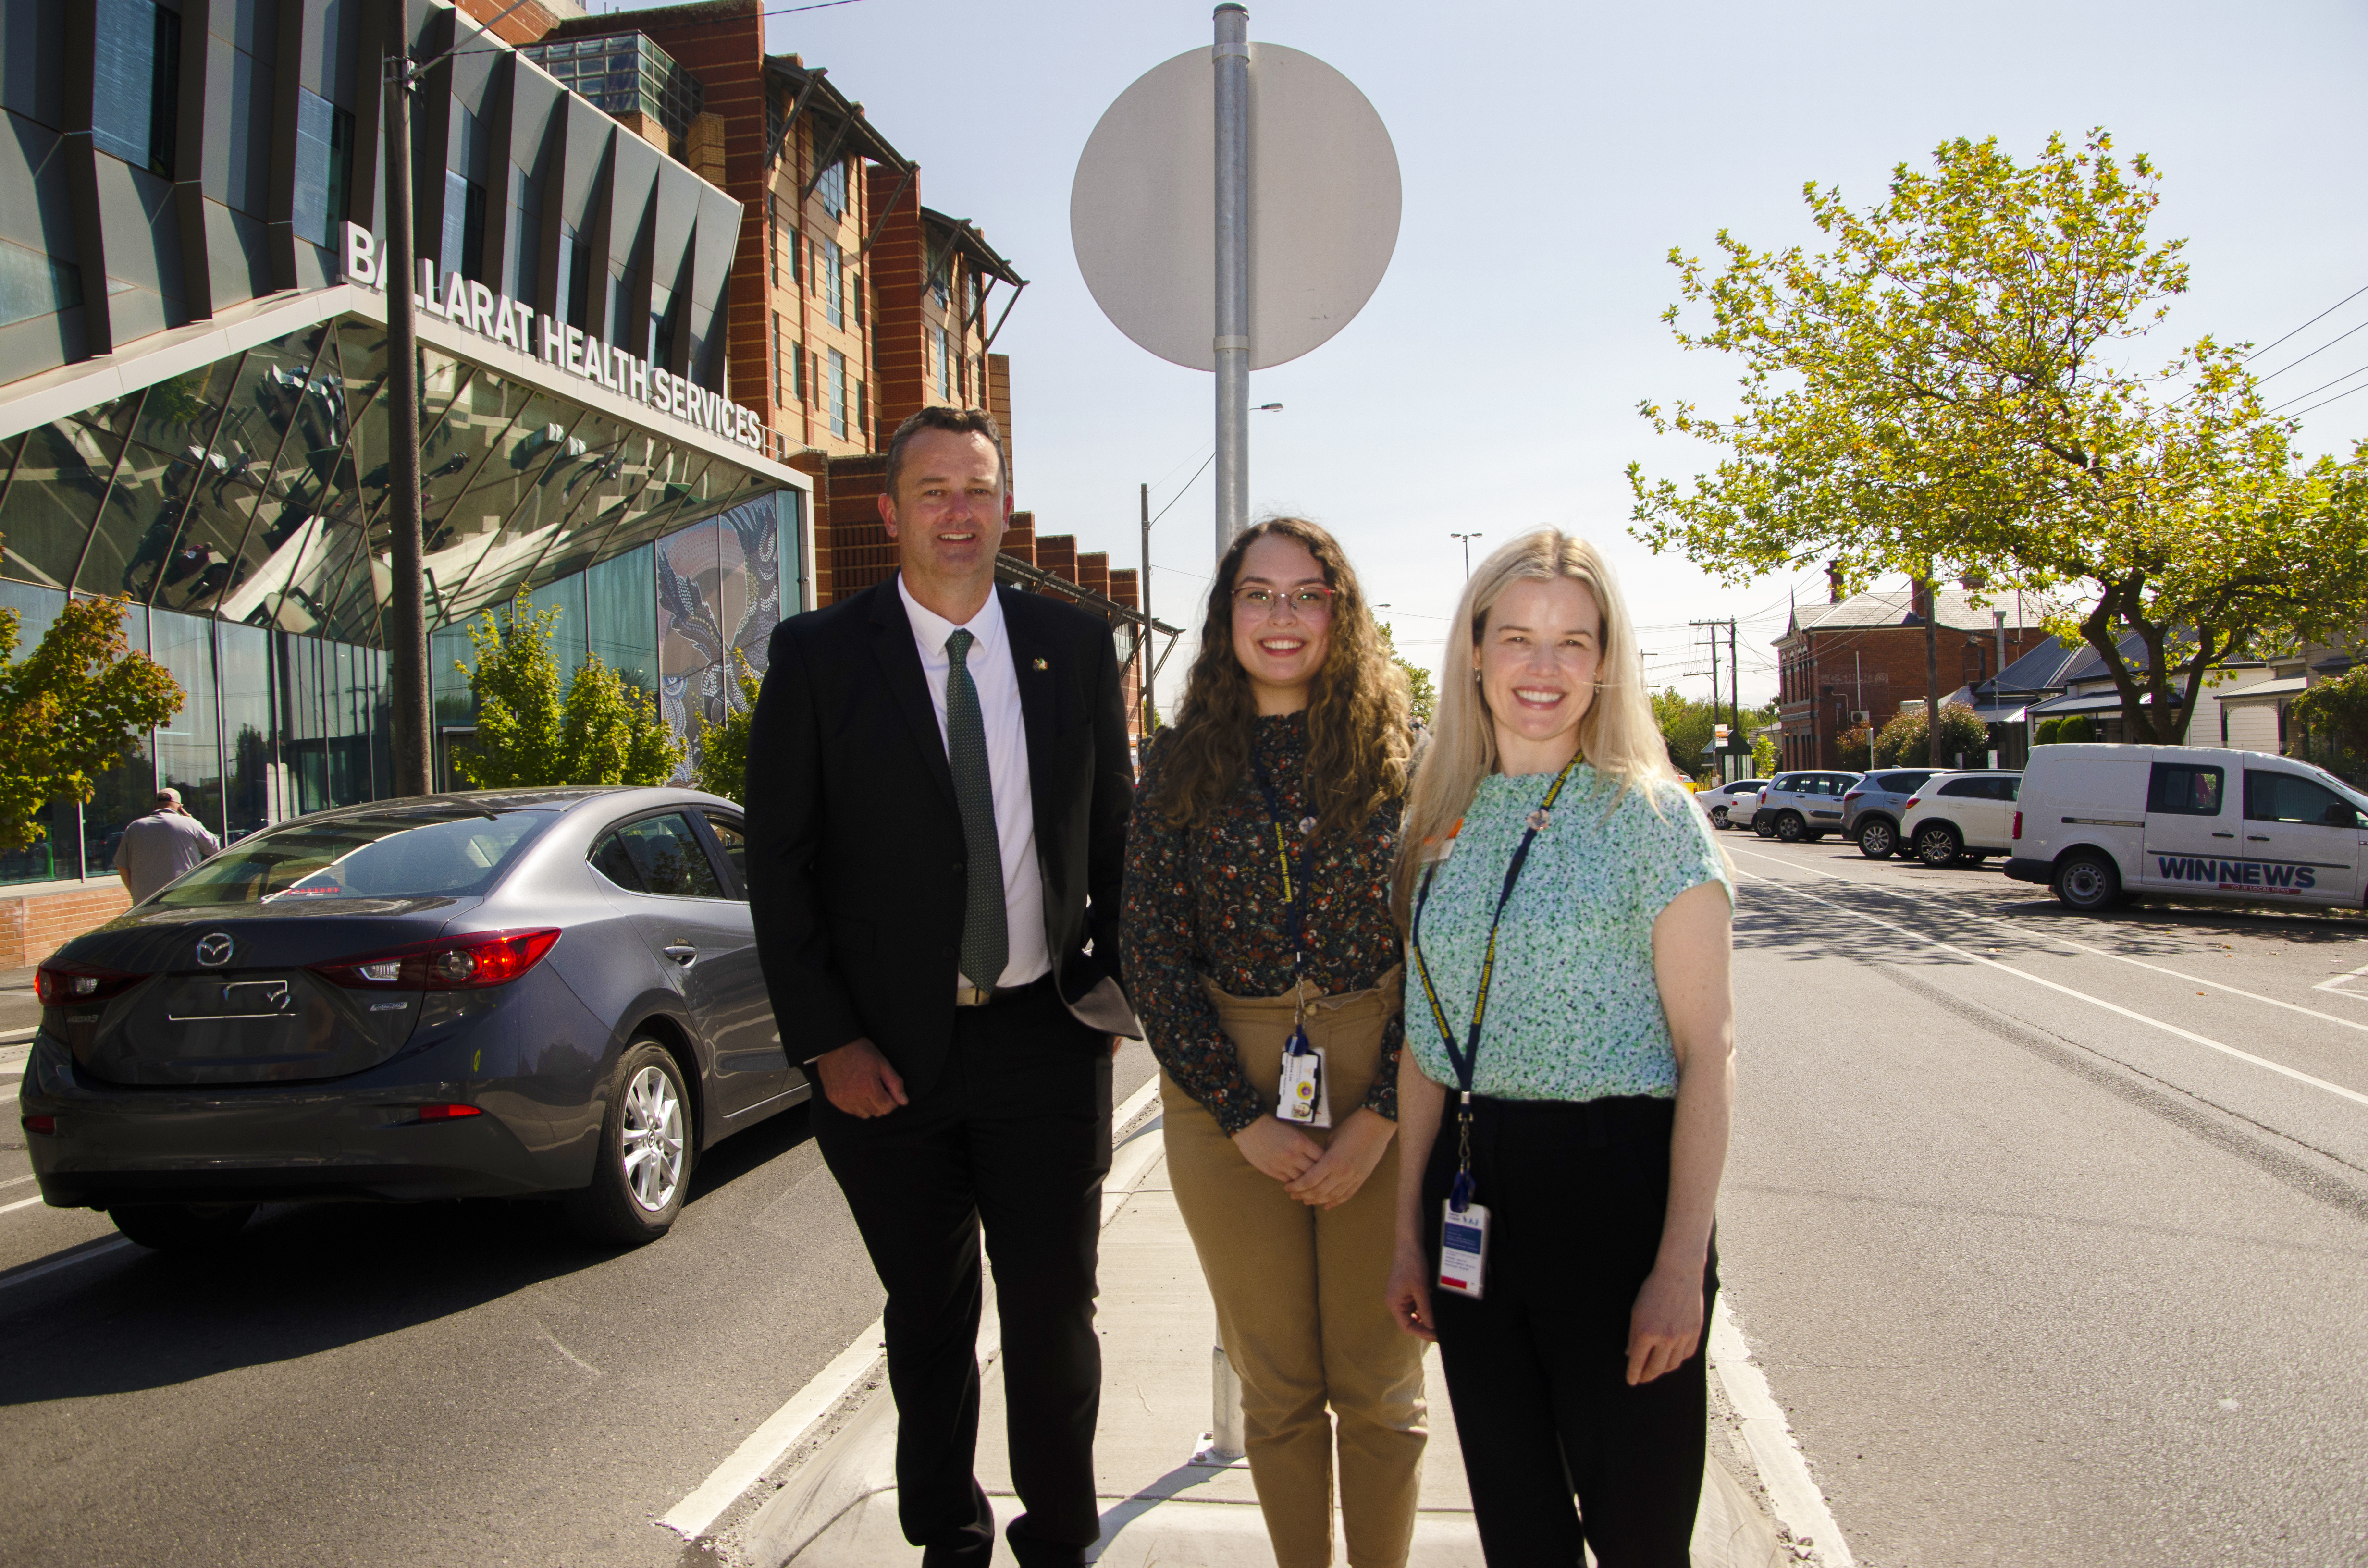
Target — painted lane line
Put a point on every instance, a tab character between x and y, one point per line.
1792	1491
15	1181
20	1203
2101	952
38	1269
782	1430
2335	986
2280	1068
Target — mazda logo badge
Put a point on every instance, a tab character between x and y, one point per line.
213	952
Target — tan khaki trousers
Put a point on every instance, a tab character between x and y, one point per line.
1299	1295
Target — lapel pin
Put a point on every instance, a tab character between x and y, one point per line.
1041	664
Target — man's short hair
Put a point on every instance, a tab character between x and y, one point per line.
168	797
959	422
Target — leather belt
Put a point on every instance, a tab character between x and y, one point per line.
967	995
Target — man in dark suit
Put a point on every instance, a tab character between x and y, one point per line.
937	791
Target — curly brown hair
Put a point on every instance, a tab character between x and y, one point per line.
1358	735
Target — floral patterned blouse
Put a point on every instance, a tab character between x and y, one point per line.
1574	1009
1207	900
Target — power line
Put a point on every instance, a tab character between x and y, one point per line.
2338	397
2312	323
2320	388
2322	349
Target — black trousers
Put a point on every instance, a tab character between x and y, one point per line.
1015	1135
1537	1368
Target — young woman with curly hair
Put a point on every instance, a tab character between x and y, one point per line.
1259	926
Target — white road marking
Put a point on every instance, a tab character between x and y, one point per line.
2278	1067
2336	984
1792	1492
20	1203
2101	952
37	1270
782	1430
552	1340
15	1181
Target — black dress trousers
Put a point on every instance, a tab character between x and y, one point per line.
1576	1193
1013	1136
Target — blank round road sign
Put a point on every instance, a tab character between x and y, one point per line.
1324	201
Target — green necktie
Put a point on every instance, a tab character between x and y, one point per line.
986	942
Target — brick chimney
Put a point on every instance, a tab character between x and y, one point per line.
1836	591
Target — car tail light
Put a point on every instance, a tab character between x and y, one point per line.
1912	801
1852	796
57	984
2018	824
448	1112
40	1123
472	962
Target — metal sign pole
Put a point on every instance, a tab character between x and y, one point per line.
406	624
1232	59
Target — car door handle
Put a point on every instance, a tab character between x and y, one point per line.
2224	836
681	953
2257	837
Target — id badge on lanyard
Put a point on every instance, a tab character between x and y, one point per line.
1463	1224
1303	1098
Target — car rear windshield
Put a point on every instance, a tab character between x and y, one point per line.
416	852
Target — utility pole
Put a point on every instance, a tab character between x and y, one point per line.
1735	737
407	597
1467	539
1142	639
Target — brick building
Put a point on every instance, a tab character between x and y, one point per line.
1864	654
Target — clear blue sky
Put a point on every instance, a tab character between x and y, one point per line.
1552	154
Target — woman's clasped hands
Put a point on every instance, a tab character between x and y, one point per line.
1320	1175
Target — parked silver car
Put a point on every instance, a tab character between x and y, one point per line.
1797	806
496	994
1874	807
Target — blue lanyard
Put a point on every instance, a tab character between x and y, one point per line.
1467	1060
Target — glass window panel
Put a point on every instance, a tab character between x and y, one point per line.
255	792
449	652
668	857
790	515
37	610
33	283
580	504
568	644
60	478
189	744
126	791
527	481
236	521
675	494
622	612
135	92
592	527
325	143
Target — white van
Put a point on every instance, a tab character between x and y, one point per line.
2097	822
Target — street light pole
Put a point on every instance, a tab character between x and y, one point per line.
1467	539
407	631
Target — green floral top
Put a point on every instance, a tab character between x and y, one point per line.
1208	901
1574	1012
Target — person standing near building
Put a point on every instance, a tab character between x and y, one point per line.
1259	941
938	794
1566	1092
157	848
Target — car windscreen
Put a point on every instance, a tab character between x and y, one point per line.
414	852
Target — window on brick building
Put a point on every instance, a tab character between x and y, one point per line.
858	285
833	281
798	370
862	410
944	368
780	360
836	389
833	189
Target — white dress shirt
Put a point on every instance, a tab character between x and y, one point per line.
996	677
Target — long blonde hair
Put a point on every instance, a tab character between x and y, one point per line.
1358	731
1618	735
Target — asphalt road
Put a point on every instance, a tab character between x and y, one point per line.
448	1384
2039	1280
2051	1233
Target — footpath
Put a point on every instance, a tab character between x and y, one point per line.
836	1507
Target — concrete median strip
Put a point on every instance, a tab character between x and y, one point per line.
782	1430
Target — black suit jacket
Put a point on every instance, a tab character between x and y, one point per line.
855	859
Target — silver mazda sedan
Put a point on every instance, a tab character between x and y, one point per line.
500	994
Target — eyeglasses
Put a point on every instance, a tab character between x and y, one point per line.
1308	598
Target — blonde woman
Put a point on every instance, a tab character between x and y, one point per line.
1565	1093
1259	926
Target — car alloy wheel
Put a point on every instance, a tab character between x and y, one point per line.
1764	826
1790	829
1718	816
652	1139
1938	844
2088	882
1877	841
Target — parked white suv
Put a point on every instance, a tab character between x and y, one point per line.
1960	816
2098	822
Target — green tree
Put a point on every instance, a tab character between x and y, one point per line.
722	765
1853	748
600	732
1908	737
70	710
1686	729
1423	697
1946	392
1764	756
2333	716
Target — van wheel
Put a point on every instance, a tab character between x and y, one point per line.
1937	846
2088	882
1789	828
643	1165
1877	839
181	1227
